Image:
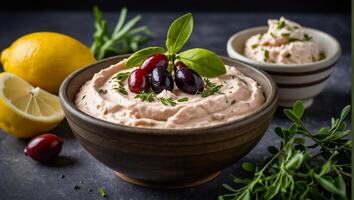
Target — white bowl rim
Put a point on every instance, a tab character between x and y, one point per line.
328	61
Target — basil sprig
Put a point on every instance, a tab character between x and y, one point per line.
203	61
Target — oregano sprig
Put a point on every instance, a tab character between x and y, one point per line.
294	170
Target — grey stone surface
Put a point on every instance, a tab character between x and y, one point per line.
22	178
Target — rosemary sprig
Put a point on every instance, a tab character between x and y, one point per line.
146	96
210	88
294	171
126	38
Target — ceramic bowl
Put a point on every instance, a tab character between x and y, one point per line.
295	81
167	158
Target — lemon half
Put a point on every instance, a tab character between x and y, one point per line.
26	111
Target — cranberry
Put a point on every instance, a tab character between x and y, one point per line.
157	60
44	147
138	81
161	80
189	81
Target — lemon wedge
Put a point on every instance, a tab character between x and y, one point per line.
26	111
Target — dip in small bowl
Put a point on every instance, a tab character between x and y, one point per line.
160	155
299	59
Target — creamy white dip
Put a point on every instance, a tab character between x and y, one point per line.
285	42
241	96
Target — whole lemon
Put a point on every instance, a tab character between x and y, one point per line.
45	59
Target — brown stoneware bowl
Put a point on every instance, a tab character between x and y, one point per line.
167	158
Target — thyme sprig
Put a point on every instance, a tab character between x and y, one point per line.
296	171
146	96
119	79
210	88
167	101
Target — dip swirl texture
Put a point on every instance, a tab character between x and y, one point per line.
240	96
285	42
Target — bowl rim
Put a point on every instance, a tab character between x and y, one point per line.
328	61
70	107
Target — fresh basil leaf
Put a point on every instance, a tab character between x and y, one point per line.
138	57
179	33
203	61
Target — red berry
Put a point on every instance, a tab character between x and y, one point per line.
44	147
138	81
157	60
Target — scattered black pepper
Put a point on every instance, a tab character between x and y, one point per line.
62	176
233	102
102	91
89	190
76	187
83	97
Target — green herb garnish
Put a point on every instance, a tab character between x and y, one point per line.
183	99
204	62
260	36
120	89
125	38
122	76
167	101
210	88
146	96
322	56
296	27
254	46
307	37
285	34
293	40
306	164
118	79
273	35
281	24
102	192
266	55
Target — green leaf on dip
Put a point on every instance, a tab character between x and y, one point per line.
204	62
179	32
137	58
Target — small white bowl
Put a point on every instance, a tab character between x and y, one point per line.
295	81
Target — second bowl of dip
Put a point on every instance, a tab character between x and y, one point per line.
295	81
167	157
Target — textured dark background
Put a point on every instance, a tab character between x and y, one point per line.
318	6
22	178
